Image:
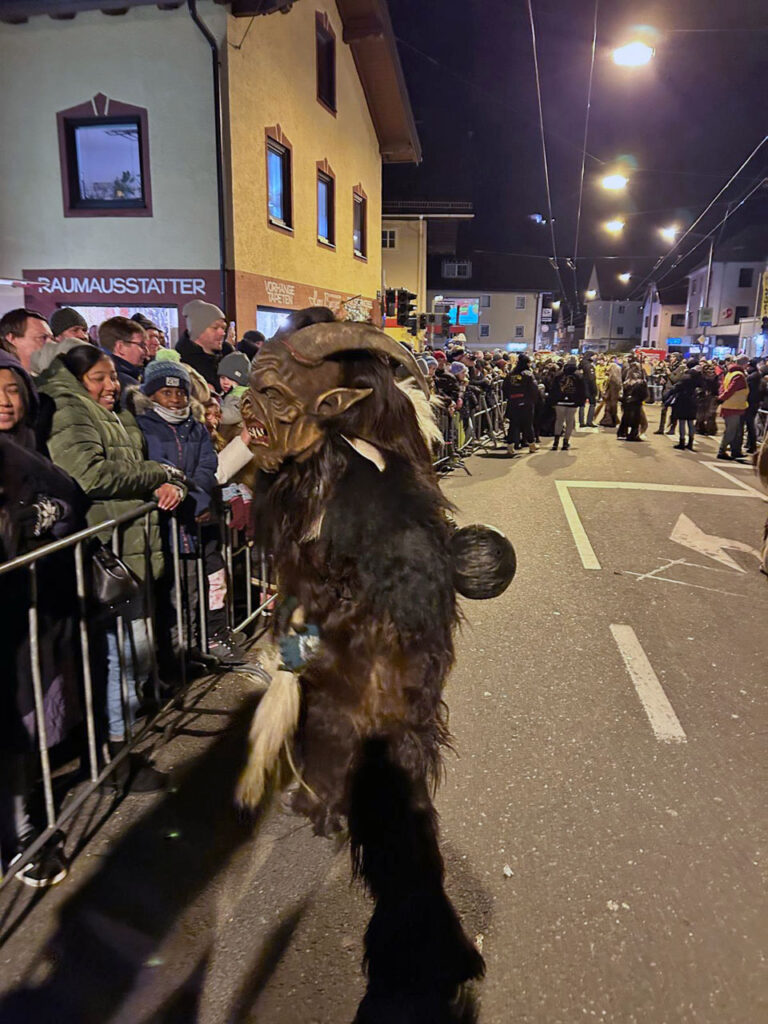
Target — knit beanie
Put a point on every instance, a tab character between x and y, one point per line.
439	355
65	318
144	321
200	315
164	373
458	368
236	366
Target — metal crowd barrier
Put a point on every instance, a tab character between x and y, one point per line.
485	429
242	563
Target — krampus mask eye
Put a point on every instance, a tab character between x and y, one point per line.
296	388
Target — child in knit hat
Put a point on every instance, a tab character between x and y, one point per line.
175	437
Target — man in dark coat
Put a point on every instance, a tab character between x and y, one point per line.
126	342
521	393
590	388
202	345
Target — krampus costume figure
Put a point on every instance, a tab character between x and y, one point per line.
367	562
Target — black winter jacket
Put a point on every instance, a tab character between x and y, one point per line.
206	365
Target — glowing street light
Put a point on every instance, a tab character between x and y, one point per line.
556	304
591	293
633	55
615	227
624	278
614	182
669	234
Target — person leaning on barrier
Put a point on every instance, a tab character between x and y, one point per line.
101	446
38	504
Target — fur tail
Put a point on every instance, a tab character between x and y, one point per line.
273	724
416	952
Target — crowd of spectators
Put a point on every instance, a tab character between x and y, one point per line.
95	423
545	395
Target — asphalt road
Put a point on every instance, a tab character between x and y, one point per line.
604	822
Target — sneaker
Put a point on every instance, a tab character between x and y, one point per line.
724	455
225	653
511	450
533	447
47	867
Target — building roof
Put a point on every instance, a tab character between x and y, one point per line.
367	30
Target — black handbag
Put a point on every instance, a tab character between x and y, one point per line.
113	585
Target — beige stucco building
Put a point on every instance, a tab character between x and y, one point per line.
111	191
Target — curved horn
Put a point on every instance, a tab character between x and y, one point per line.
311	345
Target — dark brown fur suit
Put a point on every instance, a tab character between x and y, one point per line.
362	544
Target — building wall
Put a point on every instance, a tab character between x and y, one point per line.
725	295
405	266
505	322
147	58
605	317
272	81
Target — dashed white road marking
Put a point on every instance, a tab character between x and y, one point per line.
664	722
586	552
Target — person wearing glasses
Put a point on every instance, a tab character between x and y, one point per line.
126	342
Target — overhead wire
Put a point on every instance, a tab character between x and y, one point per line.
553	261
676	244
584	158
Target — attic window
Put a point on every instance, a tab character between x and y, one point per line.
325	50
104	153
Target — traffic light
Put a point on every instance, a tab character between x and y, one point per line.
390	302
406	306
423	320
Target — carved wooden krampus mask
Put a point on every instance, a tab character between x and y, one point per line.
296	388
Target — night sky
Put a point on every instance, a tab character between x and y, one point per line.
683	123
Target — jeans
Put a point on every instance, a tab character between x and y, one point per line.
590	414
138	664
731	436
565	420
691	430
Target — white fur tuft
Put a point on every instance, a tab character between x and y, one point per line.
273	725
425	411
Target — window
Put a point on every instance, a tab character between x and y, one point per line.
389	239
690	321
655	319
325	50
520	330
457	268
677	320
645	322
104	155
621	309
485	301
746	276
326	220
740	313
694	286
279	199
485	331
619	330
359	225
519	302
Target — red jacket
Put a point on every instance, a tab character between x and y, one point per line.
734	392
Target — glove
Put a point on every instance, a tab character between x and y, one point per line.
174	475
297	648
40	517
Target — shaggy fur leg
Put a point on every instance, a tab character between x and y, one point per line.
273	724
416	952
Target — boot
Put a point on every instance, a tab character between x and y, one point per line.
566	445
556	444
680	446
135	773
689	446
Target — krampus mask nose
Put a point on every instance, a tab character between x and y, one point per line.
296	387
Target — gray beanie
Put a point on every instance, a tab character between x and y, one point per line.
200	315
236	366
165	373
65	318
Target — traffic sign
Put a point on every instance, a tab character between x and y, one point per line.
705	316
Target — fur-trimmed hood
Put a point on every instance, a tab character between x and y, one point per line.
136	402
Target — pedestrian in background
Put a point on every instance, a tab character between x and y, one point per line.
521	394
683	400
568	394
733	401
202	345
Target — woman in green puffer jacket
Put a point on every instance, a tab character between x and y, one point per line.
103	450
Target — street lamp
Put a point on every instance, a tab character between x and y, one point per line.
615	227
624	278
669	234
614	182
591	293
633	55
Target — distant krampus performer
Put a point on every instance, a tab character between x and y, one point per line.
368	563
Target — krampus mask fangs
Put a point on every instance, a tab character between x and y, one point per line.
296	388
